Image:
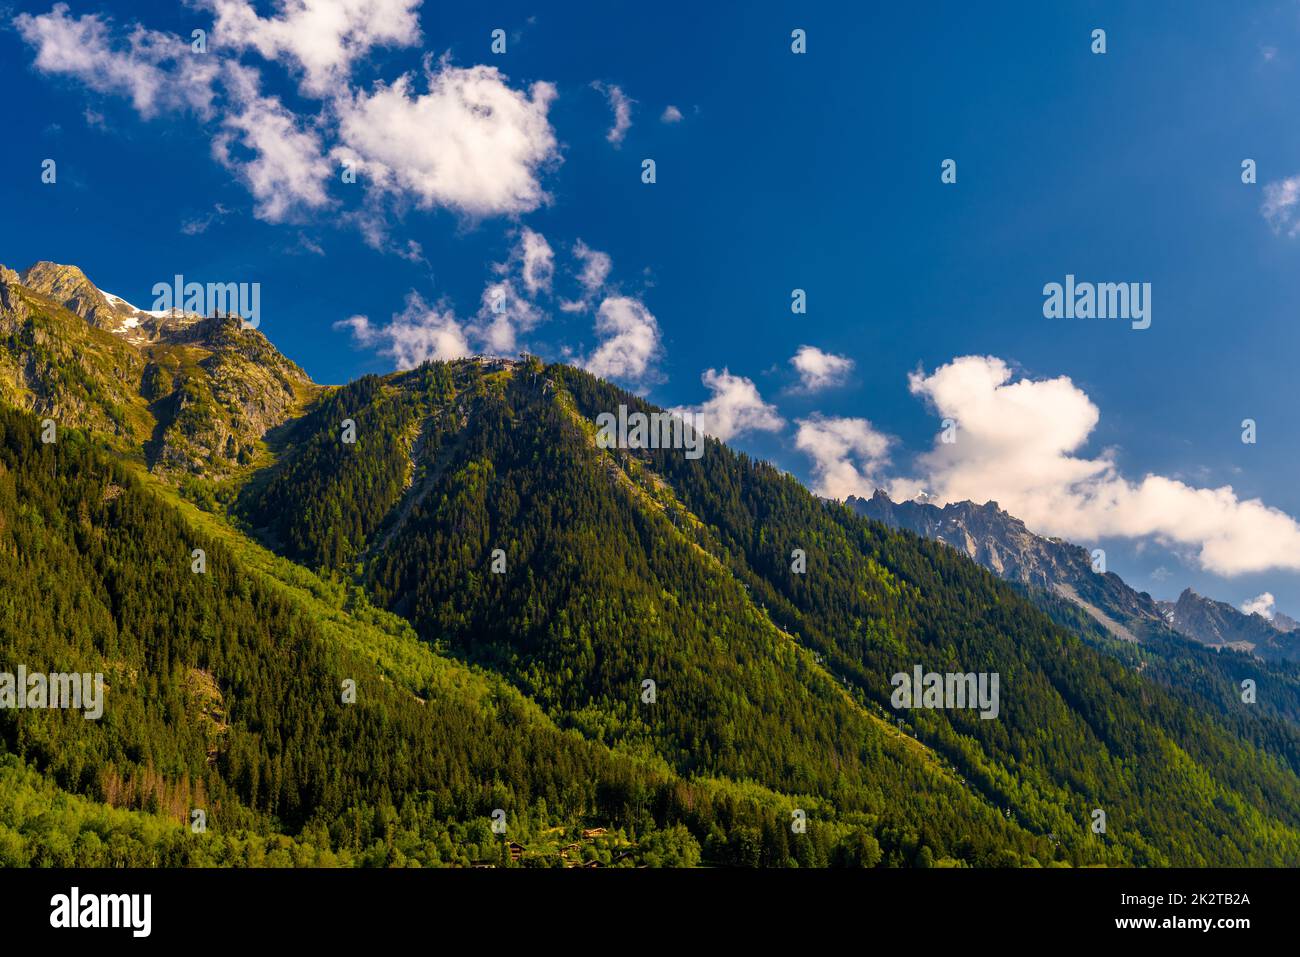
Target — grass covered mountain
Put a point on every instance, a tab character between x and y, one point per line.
189	395
609	646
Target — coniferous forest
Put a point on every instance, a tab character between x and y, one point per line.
429	620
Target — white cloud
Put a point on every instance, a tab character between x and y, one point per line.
734	409
538	261
1260	605
622	107
671	115
820	370
503	314
508	305
197	225
419	333
288	169
848	454
470	144
631	340
323	37
596	267
154	70
1018	443
1279	206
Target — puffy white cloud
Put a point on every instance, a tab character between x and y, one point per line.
622	107
596	267
820	370
156	71
470	143
848	454
1018	442
631	340
323	37
288	170
670	115
419	333
1279	206
1260	605
734	409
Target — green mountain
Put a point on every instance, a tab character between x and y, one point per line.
190	395
612	650
1197	662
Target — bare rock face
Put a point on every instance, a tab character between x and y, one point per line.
1285	623
989	535
69	287
1219	624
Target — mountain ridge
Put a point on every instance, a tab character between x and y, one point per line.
1001	542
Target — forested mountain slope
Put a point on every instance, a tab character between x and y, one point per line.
622	566
224	694
1196	665
577	636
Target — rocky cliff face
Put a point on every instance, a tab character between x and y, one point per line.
1219	624
997	540
69	287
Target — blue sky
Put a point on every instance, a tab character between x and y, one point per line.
818	171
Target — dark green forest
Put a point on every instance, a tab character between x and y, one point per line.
631	565
527	585
225	697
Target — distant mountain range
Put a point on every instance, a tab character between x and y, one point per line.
1001	542
1219	624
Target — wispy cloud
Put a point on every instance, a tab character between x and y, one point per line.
622	107
1279	206
419	333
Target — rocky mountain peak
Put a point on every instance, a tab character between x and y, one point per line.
69	287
